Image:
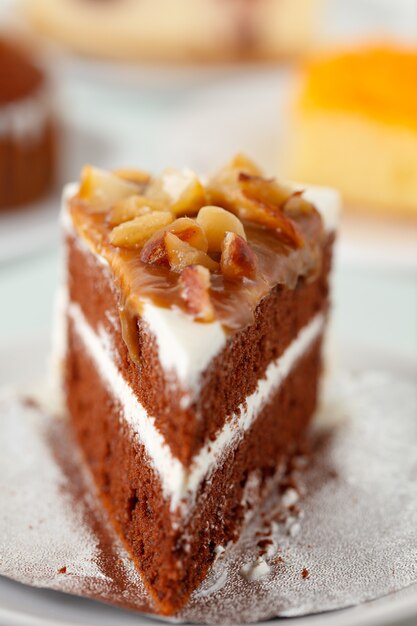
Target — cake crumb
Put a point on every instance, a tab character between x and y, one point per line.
294	529
278	560
219	549
264	543
62	570
30	402
255	570
305	573
290	497
266	547
295	510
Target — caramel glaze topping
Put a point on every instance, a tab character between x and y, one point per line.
217	262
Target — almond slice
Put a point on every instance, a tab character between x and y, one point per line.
181	254
215	222
238	259
195	284
102	189
136	232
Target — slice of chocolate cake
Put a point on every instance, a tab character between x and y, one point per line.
195	317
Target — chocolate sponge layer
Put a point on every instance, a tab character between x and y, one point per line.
230	378
174	552
172	555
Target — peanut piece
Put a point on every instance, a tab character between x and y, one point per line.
238	259
132	207
215	222
136	232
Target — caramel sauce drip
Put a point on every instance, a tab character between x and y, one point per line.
234	301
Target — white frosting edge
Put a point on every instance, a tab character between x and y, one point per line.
184	346
180	484
26	118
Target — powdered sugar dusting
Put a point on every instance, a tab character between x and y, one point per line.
41	532
355	517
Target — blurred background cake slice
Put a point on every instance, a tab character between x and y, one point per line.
354	126
27	134
178	30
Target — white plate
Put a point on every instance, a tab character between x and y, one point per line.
27	606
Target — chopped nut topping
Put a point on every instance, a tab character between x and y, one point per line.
242	163
263	190
238	259
182	192
269	200
134	176
155	252
102	189
215	222
166	248
195	283
190	231
181	254
173	222
136	232
187	230
252	197
296	203
129	208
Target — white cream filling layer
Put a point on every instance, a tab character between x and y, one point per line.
184	346
180	484
25	118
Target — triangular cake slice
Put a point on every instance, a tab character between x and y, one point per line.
195	317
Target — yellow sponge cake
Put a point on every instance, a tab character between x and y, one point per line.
354	127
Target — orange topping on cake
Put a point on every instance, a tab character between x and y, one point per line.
379	81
